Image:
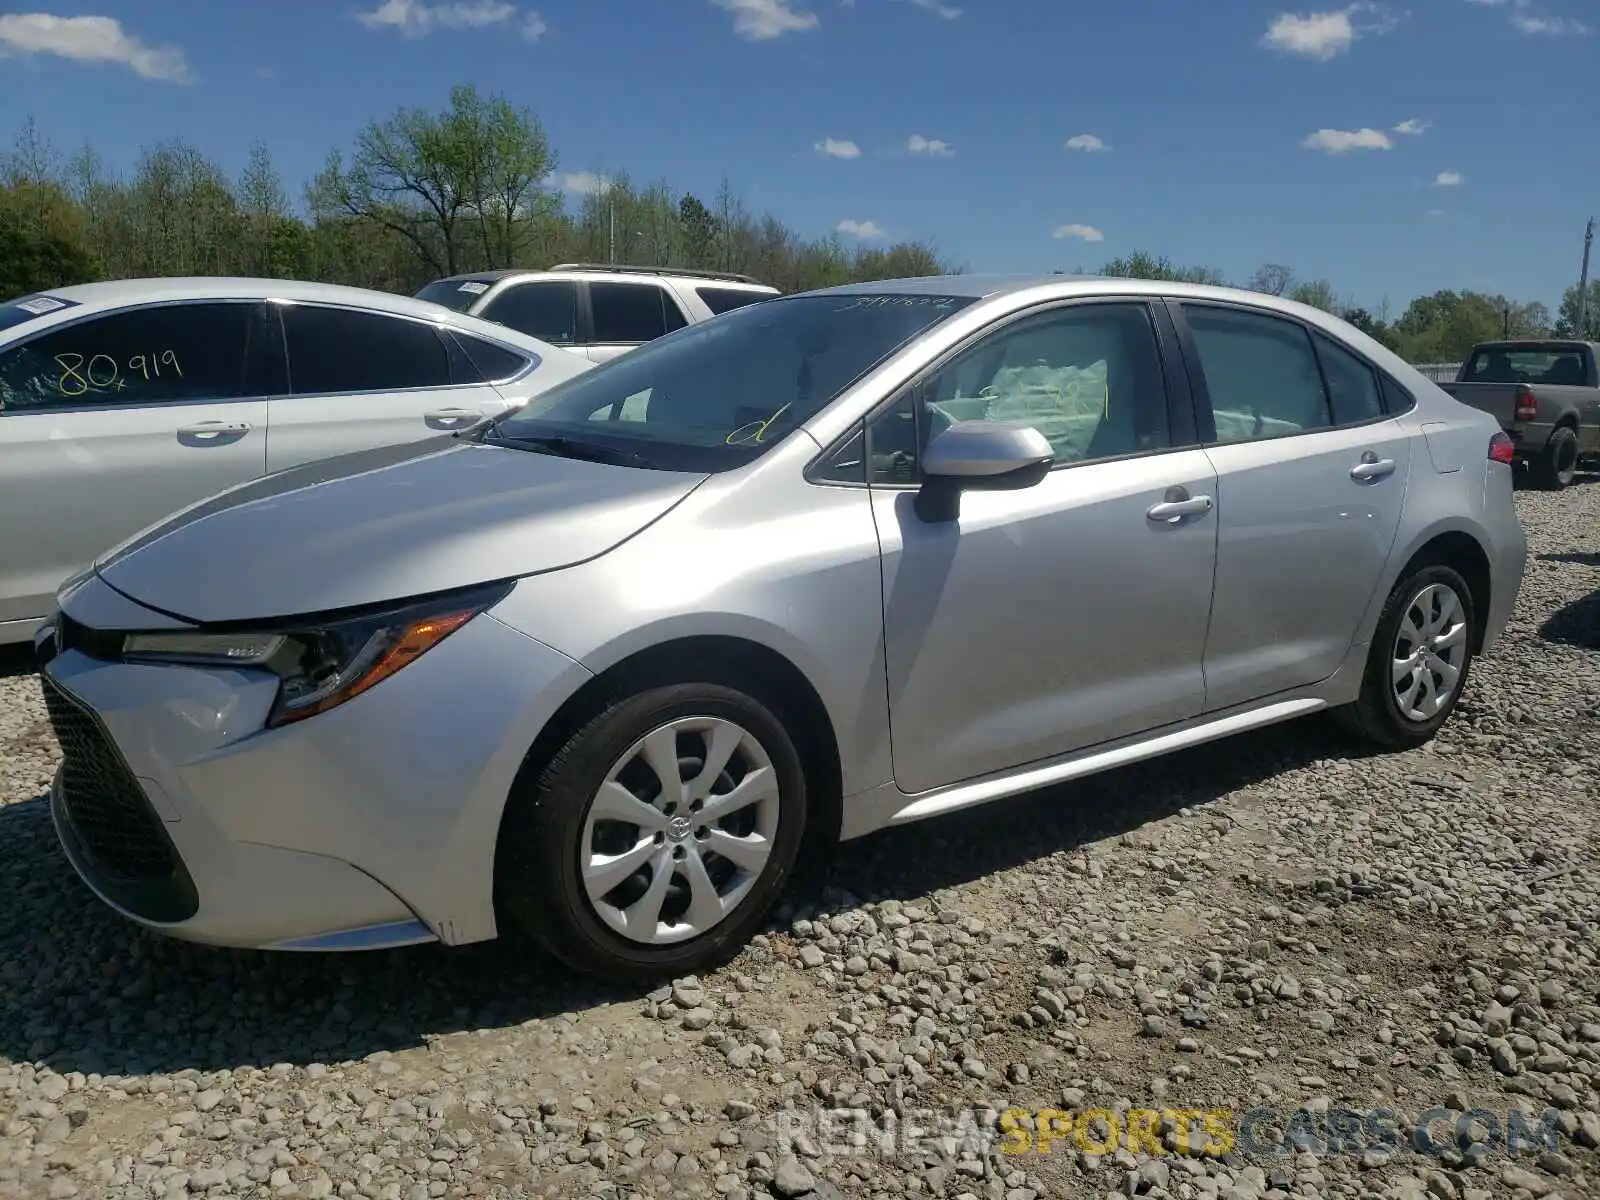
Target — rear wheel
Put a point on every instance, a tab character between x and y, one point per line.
656	839
1418	664
1556	466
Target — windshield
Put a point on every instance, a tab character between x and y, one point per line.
716	395
459	294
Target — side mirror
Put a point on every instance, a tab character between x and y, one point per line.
987	456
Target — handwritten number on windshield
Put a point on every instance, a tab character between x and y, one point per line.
752	433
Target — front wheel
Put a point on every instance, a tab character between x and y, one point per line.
1417	667
1555	468
654	842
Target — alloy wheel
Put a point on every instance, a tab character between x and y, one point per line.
680	830
1430	650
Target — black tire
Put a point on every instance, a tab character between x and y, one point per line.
1558	462
1375	717
538	881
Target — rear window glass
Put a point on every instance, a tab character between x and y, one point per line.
459	294
28	308
1552	365
721	300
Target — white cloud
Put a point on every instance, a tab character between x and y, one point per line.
1413	127
1548	26
1087	142
948	11
89	40
1531	23
582	183
861	229
1342	141
763	20
932	147
838	148
1447	179
417	18
1087	232
1322	36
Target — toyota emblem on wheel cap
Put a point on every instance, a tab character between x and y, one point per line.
678	828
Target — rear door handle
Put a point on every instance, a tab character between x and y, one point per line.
452	416
214	429
1372	468
1173	511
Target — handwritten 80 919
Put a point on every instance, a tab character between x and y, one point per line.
81	374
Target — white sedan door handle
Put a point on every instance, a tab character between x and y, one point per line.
210	430
451	417
1177	508
1372	468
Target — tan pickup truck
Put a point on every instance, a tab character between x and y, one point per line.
1545	393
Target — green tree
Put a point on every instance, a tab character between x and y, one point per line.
699	232
1444	326
1143	265
1567	316
1374	327
461	186
1318	293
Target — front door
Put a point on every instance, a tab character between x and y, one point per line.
113	422
1311	478
1050	619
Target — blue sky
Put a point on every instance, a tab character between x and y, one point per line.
1391	149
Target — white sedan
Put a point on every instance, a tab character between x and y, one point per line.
122	402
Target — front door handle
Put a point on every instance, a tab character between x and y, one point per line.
1178	505
1372	467
452	416
209	430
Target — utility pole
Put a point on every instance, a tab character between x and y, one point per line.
1583	282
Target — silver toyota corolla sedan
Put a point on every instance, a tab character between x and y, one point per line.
603	667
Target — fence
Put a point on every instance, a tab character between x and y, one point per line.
1439	372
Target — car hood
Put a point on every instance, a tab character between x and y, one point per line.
383	525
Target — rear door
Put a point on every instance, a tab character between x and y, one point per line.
1311	480
359	379
626	314
547	309
114	421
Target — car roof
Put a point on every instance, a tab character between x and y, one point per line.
118	293
600	271
991	287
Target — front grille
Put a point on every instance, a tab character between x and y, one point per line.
115	829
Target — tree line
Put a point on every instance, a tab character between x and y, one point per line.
472	187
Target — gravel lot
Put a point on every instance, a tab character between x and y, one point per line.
1264	922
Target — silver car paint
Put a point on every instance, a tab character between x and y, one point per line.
412	519
896	628
90	475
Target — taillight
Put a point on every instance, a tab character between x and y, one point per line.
1527	404
1501	448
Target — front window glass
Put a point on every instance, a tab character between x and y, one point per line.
165	354
717	394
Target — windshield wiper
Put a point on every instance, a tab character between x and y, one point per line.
565	447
